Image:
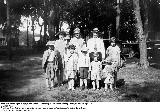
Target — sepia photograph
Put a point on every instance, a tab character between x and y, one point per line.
79	51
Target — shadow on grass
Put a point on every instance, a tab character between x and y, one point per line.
143	92
15	79
17	76
24	98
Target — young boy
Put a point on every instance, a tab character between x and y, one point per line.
71	67
95	68
83	66
49	64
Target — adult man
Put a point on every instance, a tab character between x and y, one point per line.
96	44
60	46
49	64
77	41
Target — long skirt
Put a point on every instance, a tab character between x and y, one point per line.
60	70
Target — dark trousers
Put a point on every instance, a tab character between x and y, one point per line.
83	72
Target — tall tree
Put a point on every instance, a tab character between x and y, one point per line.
8	31
141	35
118	17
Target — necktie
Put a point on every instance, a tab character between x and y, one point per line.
95	44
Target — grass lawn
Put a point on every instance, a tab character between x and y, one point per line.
23	80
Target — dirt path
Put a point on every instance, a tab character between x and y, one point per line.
23	80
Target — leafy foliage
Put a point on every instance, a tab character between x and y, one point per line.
2	12
85	14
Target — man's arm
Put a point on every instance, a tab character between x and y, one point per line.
102	49
88	46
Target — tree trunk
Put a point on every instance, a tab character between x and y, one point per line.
41	33
44	40
57	26
9	32
142	38
118	20
51	24
51	30
33	28
27	34
45	31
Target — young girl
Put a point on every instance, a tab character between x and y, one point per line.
95	68
71	67
108	75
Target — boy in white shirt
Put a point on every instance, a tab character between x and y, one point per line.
83	66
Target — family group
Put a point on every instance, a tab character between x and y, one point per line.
78	60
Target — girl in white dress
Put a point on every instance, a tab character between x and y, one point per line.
95	68
108	75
